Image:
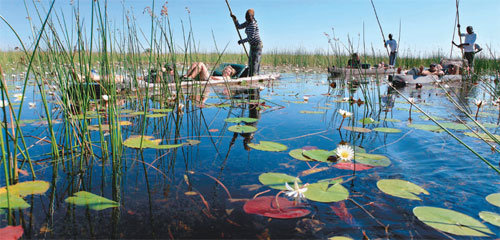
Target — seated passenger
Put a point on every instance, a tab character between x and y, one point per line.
199	71
434	69
354	62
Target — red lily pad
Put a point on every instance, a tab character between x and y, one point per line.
341	211
11	232
266	206
352	166
309	148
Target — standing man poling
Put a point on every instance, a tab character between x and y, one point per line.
253	38
468	45
393	45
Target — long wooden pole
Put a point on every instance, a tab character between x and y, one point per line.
458	24
380	26
237	30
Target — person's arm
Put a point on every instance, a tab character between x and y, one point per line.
240	26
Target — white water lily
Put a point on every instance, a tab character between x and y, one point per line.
345	153
306	98
32	105
105	97
4	103
18	97
496	102
478	102
344	114
411	100
296	192
345	99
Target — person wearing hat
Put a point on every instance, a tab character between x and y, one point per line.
393	45
468	45
253	38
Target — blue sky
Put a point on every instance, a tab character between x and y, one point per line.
427	25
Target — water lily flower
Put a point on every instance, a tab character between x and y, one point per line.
4	103
411	100
32	105
345	99
105	98
18	96
345	153
478	102
296	192
344	114
306	98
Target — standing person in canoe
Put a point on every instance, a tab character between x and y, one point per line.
393	45
468	45
253	38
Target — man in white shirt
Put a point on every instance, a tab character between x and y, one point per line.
468	45
393	45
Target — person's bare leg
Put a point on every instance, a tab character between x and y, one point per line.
204	75
192	71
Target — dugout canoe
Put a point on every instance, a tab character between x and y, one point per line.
338	72
412	79
246	80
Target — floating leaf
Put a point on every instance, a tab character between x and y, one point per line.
425	118
297	154
392	120
242	129
311	112
494	199
387	130
156	115
318	154
27	188
241	119
94	202
427	127
277	180
267	206
268	146
14	201
455	126
222	105
11	232
125	123
483	136
368	121
357	129
490	217
372	159
147	142
166	110
352	166
401	188
137	113
489	125
451	221
339	238
324	192
191	142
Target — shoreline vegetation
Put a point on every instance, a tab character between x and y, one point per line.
276	58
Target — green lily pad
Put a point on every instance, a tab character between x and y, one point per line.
222	105
166	110
392	120
318	154
156	115
483	136
426	127
387	130
372	159
311	112
357	129
368	121
192	142
268	146
277	180
297	154
491	217
14	201
357	149
407	109
425	118
494	199
455	126
401	188
323	108
325	192
147	142
241	119
94	202
17	191
242	129
489	125
137	113
451	221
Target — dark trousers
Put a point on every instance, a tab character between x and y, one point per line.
392	58
254	60
470	58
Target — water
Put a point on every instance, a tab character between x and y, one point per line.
155	188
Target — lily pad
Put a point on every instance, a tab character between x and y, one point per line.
297	154
455	126
425	118
357	129
325	192
401	188
147	142
268	206
156	115
494	199
392	120
318	154
451	221
241	119
94	202
427	127
17	191
166	110
368	121
277	180
352	166
339	238
491	217
311	112
372	159
268	146
387	130
12	232
483	136
192	142
242	129
14	201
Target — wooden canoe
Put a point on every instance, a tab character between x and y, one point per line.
337	72
411	79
